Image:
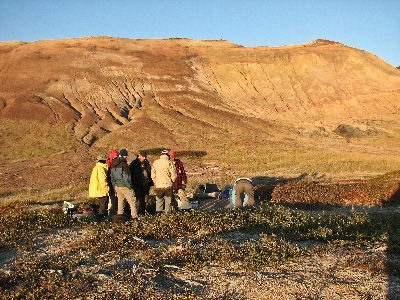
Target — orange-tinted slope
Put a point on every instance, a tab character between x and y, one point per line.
183	91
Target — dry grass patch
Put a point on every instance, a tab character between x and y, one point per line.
24	197
23	139
295	157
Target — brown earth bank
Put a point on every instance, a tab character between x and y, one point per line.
191	94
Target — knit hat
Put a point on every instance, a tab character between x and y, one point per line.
101	157
123	152
165	151
113	154
143	153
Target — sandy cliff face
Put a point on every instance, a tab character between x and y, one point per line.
179	91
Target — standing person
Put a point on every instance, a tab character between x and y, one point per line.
141	179
113	154
163	175
180	182
122	183
98	186
112	204
244	185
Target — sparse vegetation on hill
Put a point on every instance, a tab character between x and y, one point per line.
22	139
332	157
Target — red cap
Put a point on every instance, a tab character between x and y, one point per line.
113	154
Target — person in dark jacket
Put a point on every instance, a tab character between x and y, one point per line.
141	179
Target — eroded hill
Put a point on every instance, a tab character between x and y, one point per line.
191	94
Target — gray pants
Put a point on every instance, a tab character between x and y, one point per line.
163	195
126	193
244	186
112	204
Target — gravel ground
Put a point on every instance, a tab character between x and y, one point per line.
338	274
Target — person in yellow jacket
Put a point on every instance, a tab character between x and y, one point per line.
98	186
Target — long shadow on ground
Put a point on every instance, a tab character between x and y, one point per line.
393	254
265	185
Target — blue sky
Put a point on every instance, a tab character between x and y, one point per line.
372	25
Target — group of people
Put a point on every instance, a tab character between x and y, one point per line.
113	181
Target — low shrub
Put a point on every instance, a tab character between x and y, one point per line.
269	248
21	227
135	255
377	191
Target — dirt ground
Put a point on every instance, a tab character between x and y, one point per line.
71	167
66	168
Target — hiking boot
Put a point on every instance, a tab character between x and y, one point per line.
185	206
120	218
248	208
100	218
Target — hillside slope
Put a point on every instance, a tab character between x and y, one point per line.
186	93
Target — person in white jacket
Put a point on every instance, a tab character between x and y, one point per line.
244	185
163	175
